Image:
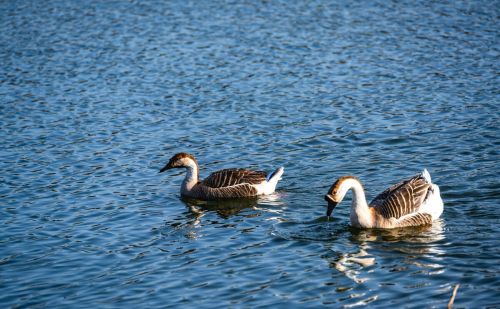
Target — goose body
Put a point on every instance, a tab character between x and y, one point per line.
223	184
411	202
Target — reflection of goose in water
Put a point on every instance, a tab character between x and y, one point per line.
412	202
224	208
423	234
344	264
190	225
223	184
186	225
412	243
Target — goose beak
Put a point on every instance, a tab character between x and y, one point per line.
331	205
166	167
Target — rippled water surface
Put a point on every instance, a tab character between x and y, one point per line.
97	95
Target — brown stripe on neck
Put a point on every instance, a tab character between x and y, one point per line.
182	155
336	185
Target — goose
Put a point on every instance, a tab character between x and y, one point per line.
223	184
412	202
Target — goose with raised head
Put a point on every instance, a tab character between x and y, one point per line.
223	184
412	202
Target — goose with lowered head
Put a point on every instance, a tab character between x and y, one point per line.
412	202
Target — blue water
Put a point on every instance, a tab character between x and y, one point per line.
97	95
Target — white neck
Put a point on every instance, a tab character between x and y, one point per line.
360	213
191	178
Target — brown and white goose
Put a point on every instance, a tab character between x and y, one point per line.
223	184
412	202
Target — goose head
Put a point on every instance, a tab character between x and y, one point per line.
338	191
180	160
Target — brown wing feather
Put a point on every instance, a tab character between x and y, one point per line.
415	220
402	199
232	177
379	199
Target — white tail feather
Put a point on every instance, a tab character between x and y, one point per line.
276	175
426	175
269	185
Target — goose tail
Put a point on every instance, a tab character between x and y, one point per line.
275	176
269	185
426	175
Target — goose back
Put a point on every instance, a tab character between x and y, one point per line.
233	177
402	198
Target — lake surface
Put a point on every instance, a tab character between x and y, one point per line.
96	96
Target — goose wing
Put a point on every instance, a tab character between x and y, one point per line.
415	219
403	198
232	177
